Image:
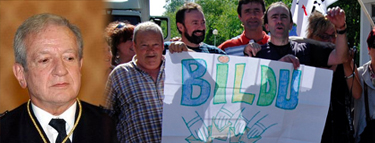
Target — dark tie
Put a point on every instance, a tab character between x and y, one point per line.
59	125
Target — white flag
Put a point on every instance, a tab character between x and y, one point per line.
301	10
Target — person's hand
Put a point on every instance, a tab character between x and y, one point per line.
351	53
177	47
175	39
252	49
337	17
291	59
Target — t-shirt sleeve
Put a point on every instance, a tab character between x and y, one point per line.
320	55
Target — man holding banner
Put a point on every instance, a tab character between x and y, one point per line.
278	21
250	13
135	89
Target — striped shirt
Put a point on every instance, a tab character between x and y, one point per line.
136	102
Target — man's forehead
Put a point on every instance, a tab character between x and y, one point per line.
252	5
53	35
198	15
278	10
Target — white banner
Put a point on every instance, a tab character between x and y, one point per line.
220	98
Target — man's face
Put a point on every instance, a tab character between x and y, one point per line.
194	28
278	22
149	49
54	68
251	15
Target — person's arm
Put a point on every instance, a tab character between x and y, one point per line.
311	41
178	47
340	53
252	49
352	79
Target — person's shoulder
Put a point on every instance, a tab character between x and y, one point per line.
123	67
299	45
212	48
362	68
230	43
14	114
93	111
292	42
92	108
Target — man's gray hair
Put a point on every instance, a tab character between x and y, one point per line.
37	24
147	26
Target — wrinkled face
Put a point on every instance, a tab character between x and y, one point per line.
54	68
326	36
278	22
251	15
126	49
194	28
149	49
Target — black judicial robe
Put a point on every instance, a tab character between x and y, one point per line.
95	126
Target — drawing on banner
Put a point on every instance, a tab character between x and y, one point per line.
223	128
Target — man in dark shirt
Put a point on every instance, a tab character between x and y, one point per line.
278	21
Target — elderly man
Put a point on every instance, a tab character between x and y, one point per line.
48	53
135	89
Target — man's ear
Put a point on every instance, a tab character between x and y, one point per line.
266	27
80	64
180	26
19	73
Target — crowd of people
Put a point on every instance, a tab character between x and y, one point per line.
48	51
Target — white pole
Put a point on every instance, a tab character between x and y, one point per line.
366	13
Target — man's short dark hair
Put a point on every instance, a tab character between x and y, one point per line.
277	4
242	2
187	7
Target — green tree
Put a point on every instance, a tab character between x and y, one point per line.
171	8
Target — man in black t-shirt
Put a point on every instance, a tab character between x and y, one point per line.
278	21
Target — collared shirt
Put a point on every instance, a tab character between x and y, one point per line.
44	118
136	102
236	45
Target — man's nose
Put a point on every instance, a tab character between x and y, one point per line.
202	26
59	68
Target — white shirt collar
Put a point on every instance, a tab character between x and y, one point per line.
44	118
